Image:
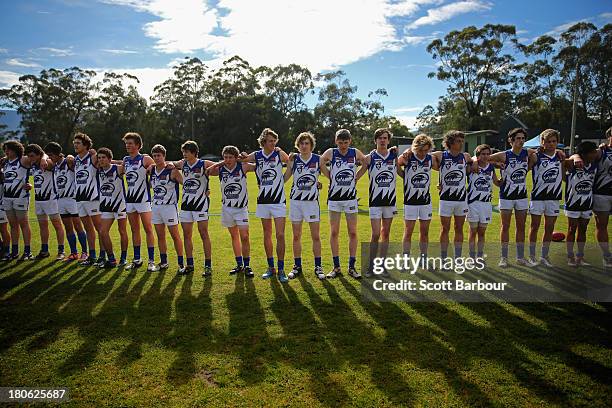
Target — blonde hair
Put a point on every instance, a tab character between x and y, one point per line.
450	136
548	133
264	133
421	141
303	136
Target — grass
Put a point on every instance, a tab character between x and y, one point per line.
131	338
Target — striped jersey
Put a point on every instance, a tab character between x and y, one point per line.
85	178
417	179
603	177
342	173
233	187
165	190
382	172
305	178
138	188
44	188
579	188
547	175
15	178
269	172
195	187
453	177
64	179
514	176
480	185
112	190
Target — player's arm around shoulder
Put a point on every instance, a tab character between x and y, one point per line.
248	167
436	160
365	163
246	158
289	172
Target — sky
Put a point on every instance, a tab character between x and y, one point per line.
378	43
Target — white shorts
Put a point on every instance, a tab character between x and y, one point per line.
602	203
3	219
271	211
137	207
308	211
88	208
418	212
346	206
377	213
231	216
166	214
450	208
550	208
67	206
19	204
517	205
193	216
480	212
48	207
113	215
578	214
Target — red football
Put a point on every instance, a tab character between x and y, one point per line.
558	236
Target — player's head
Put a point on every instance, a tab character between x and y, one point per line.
453	139
587	151
343	138
81	143
13	149
422	144
549	139
158	153
305	142
609	135
54	151
133	142
483	152
190	150
230	155
382	137
267	138
34	152
517	137
105	155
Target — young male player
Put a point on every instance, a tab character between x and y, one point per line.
5	245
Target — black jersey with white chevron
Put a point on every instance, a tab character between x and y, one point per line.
138	187
44	188
165	190
305	178
342	185
64	179
547	176
453	176
382	173
15	178
480	185
579	188
269	172
86	182
417	179
195	187
603	177
514	176
112	190
234	191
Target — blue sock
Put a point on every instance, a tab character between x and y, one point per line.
570	254
163	258
123	255
458	250
238	261
180	261
136	252
504	249
443	254
545	249
189	261
208	263
579	255
72	243
271	262
15	249
151	253
520	250
102	253
298	262
27	249
472	254
480	254
336	261
281	265
60	249
111	257
247	260
351	261
44	248
92	253
532	249
82	236
317	261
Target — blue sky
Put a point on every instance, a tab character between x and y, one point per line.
378	43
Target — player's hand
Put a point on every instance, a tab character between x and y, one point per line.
242	156
43	164
92	151
27	187
406	155
319	185
561	154
393	149
207	193
578	163
439	186
292	155
170	166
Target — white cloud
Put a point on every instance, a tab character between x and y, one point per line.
406	120
418	39
406	109
3	50
57	52
448	11
16	62
119	52
8	78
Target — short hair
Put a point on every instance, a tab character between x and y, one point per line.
585	148
233	150
450	136
14	146
106	152
381	131
133	136
421	141
609	132
548	133
513	132
305	136
264	133
343	134
53	148
191	146
482	147
158	149
34	148
86	140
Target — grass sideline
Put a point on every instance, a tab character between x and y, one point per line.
131	338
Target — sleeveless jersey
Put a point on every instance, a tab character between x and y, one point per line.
63	177
85	179
269	172
15	177
480	185
453	177
514	176
112	190
165	190
342	176
603	177
233	187
195	186
417	179
44	189
547	176
305	177
382	172
579	188
138	188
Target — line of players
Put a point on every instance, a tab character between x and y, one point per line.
89	189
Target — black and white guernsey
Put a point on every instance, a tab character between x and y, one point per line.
85	179
195	187
342	184
480	185
15	178
579	188
138	188
269	172
417	179
165	190
603	177
112	190
453	175
382	172
64	179
233	187
514	176
305	178
44	188
547	176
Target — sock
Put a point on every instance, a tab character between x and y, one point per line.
579	255
189	261
44	248
208	263
136	252
60	249
271	262
72	243
15	249
102	253
472	253
111	257
504	249
163	258
82	236
238	261
480	254
247	261
180	261
458	250
92	253
336	261
351	261
532	249
298	262
123	255
443	254
605	249
317	261
27	249
545	248
281	265
151	253
520	250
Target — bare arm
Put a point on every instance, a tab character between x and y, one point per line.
246	158
212	168
436	160
496	180
289	171
283	156
247	167
499	158
147	161
364	167
325	158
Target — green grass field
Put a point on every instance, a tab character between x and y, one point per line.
132	338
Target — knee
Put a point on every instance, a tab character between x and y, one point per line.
280	236
334	234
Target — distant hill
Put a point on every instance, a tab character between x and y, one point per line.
11	119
